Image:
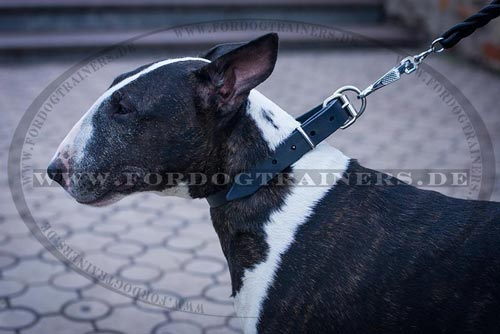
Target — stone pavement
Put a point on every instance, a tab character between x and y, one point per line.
167	245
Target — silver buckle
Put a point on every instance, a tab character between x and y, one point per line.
346	104
306	137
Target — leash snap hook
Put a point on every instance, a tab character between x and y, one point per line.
407	65
435	47
346	103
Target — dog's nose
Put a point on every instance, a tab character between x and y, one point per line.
55	171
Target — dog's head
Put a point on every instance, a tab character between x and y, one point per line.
159	119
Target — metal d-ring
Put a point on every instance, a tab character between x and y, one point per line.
436	42
346	104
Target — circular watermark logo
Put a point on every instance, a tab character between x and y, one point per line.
30	138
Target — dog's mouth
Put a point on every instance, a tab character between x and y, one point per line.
104	200
107	197
120	186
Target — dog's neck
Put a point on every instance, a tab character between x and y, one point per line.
261	126
240	224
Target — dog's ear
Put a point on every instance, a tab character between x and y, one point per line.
220	50
229	78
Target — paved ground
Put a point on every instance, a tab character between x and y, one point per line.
168	245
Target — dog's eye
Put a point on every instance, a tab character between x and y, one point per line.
122	109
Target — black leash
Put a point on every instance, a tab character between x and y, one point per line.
453	35
337	112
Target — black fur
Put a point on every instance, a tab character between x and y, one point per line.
389	259
177	119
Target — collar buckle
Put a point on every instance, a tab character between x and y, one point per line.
346	103
306	137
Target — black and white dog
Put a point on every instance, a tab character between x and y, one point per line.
338	259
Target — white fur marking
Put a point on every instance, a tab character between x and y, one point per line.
81	133
286	123
181	190
283	224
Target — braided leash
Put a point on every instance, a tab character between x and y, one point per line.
453	35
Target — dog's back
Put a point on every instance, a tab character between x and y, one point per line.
389	259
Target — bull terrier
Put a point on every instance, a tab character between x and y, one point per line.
343	258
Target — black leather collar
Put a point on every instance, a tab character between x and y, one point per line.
316	125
